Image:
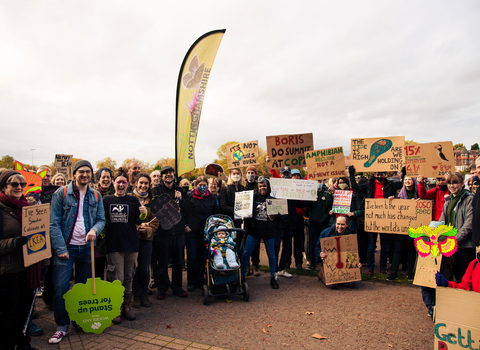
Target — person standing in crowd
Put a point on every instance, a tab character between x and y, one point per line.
17	283
227	199
133	170
476	214
251	185
200	204
437	194
155	176
185	185
76	217
475	184
47	179
170	244
404	243
213	189
470	280
377	187
59	180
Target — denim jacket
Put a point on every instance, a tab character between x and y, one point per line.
63	212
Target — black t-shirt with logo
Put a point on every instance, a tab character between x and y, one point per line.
121	214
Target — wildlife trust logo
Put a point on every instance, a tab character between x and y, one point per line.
118	213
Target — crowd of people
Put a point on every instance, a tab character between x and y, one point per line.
113	209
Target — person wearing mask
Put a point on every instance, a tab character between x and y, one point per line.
227	198
185	185
437	194
155	176
251	185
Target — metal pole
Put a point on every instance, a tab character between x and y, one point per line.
32	149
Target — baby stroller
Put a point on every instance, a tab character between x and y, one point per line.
226	281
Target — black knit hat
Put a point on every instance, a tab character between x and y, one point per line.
5	176
81	163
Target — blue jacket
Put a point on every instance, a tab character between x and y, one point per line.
63	212
328	232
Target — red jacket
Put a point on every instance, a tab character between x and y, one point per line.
437	195
471	278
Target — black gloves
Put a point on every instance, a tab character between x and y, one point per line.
18	242
351	170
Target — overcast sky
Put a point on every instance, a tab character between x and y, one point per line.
98	79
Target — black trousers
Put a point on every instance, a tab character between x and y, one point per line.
170	247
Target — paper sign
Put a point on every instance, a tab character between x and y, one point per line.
342	201
430	159
94	312
396	215
242	154
47	193
456	319
288	150
325	163
64	172
294	189
277	206
243	207
166	210
426	269
36	226
63	160
341	263
378	154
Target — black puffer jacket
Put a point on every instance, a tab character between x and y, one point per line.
11	259
227	199
198	210
390	188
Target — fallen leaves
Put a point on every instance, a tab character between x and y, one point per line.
309	313
169	326
269	325
318	336
389	333
264	331
390	345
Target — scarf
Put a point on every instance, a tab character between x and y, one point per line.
142	196
106	191
452	206
197	196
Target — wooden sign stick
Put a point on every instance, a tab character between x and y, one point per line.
92	256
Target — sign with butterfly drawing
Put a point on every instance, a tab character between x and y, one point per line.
242	154
378	154
342	262
430	159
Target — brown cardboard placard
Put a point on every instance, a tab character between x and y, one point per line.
426	269
288	150
341	263
378	153
242	154
63	160
36	226
457	323
396	215
325	163
430	159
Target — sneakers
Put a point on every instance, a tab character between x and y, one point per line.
39	292
57	337
410	276
273	282
161	294
284	273
34	331
392	277
370	272
180	293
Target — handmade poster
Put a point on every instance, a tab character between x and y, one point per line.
63	160
396	215
94	312
215	170
242	154
457	324
64	171
277	206
33	180
426	269
47	193
289	150
166	210
342	201
378	154
341	263
325	163
36	226
294	189
430	159
243	207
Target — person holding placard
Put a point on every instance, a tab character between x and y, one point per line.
17	283
251	185
436	194
227	197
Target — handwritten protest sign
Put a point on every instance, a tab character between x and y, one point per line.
242	154
63	160
47	193
166	210
378	154
425	271
341	263
215	170
288	150
94	312
325	163
277	206
430	159
456	319
342	200
294	189
36	226
396	215
243	205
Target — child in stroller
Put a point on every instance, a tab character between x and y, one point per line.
223	246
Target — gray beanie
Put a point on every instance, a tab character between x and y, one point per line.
81	163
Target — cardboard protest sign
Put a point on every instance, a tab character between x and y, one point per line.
456	319
294	189
378	154
47	193
94	312
64	171
166	210
426	269
277	206
430	159
242	154
341	263
243	207
288	150
33	180
396	215
325	163
63	160
342	201
36	226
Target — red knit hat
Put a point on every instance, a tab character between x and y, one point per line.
252	168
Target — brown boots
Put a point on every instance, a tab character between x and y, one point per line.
125	311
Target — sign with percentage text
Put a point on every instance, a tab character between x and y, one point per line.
430	159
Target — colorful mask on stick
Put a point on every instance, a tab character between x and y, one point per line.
430	240
34	181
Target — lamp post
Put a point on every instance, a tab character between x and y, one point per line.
32	149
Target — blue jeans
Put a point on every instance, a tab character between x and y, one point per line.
62	271
142	275
195	258
428	296
250	246
372	242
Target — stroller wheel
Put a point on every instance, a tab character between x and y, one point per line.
246	295
205	295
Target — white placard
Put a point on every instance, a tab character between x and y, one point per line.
305	190
243	207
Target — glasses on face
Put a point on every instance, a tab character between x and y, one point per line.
121	182
16	184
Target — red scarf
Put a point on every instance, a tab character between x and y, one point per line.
197	196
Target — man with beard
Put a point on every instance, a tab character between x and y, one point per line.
133	170
170	243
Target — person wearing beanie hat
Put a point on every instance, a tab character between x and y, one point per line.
251	185
77	216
